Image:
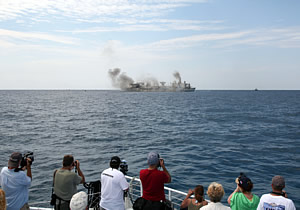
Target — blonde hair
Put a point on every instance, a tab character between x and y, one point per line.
2	200
215	192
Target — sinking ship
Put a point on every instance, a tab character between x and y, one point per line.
174	87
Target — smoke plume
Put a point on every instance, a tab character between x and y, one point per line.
177	76
119	80
122	81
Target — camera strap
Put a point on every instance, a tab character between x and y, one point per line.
277	193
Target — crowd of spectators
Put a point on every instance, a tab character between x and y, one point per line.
15	182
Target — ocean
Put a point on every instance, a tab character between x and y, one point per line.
203	136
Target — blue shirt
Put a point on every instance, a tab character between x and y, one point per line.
15	185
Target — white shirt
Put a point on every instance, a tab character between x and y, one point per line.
272	202
215	206
113	184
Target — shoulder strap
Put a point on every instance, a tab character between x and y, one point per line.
54	177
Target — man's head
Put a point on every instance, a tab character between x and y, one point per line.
68	160
115	162
153	159
14	160
278	183
79	201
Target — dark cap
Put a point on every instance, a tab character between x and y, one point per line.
245	183
14	159
278	182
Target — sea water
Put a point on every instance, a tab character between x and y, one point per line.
203	136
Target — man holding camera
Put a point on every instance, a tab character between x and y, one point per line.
277	199
113	185
65	182
15	182
153	181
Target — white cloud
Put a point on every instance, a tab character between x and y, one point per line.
90	9
32	36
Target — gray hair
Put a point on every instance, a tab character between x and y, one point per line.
278	182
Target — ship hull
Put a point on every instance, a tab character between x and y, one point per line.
159	89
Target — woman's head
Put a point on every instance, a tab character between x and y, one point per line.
245	184
215	192
199	192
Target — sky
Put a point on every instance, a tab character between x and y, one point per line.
213	44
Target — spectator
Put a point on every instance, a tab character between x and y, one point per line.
113	185
277	199
15	182
2	200
66	181
242	198
79	201
215	193
153	181
194	203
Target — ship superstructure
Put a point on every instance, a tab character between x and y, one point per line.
173	87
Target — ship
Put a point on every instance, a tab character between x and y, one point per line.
173	87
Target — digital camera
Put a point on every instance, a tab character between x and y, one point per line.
240	176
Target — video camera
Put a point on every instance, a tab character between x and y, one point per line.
124	167
24	158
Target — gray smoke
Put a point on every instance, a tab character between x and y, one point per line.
177	76
119	80
151	82
122	81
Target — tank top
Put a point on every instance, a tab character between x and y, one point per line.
191	206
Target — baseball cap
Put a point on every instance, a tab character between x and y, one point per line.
79	201
115	160
14	159
153	158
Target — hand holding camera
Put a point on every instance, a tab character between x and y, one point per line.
161	162
190	192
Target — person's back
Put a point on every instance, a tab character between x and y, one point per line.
66	181
15	183
215	193
113	185
65	185
273	202
153	184
242	202
242	197
153	179
277	199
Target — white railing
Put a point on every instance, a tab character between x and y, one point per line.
136	190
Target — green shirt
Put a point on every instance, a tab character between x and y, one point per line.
65	184
240	202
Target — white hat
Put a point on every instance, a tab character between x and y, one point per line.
79	201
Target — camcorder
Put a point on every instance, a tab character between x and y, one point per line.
124	167
24	159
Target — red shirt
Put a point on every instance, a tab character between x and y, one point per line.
153	184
